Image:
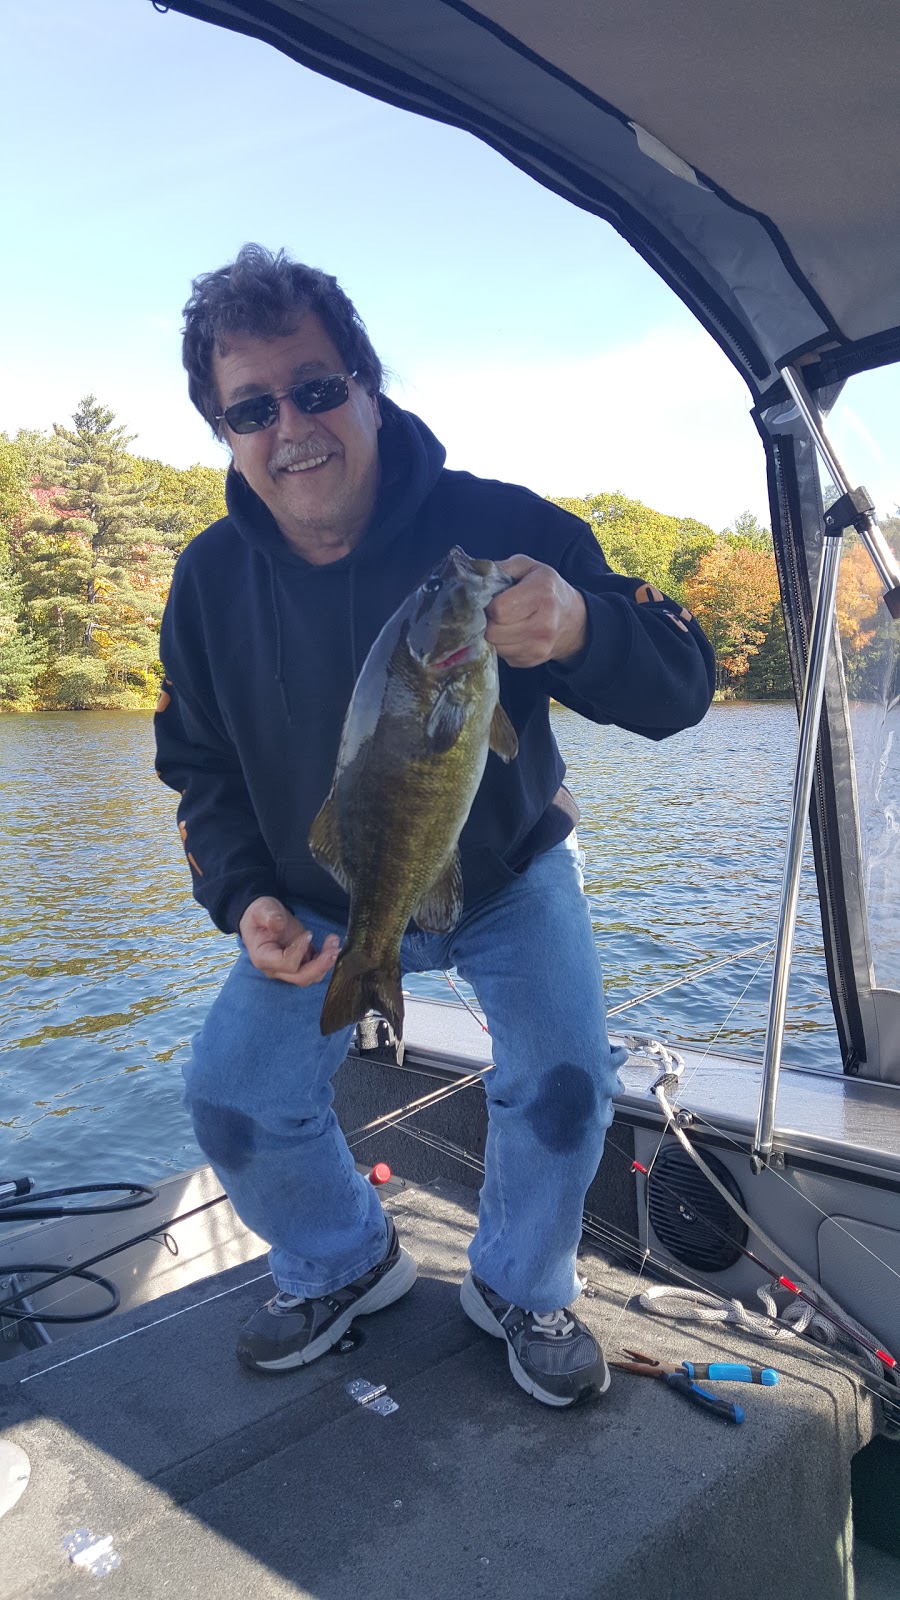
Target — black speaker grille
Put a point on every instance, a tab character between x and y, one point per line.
689	1217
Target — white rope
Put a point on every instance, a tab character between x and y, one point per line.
792	1322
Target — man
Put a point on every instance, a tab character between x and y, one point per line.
339	505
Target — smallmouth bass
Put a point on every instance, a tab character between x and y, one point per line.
424	713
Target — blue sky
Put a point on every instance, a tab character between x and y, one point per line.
143	149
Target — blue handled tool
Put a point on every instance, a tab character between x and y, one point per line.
682	1376
728	1372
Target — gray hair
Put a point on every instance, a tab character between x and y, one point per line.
265	295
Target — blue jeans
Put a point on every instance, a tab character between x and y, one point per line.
260	1093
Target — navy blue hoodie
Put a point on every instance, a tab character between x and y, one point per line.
261	651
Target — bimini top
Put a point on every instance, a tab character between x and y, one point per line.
748	149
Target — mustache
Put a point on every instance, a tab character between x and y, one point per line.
289	454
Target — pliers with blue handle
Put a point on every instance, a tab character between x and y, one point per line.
682	1377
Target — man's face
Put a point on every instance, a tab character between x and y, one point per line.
318	475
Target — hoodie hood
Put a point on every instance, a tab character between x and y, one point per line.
411	459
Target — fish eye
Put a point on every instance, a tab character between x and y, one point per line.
432	585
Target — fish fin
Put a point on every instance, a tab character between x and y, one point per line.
502	738
440	907
325	843
358	984
445	724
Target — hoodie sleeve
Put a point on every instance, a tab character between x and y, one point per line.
228	857
646	665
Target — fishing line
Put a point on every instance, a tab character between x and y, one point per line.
767	946
595	1228
605	1233
856	1334
445	1147
609	1235
397	1066
146	1326
724	1023
398	1118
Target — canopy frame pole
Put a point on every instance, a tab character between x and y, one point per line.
853	508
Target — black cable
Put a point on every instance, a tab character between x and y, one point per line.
103	1255
67	1272
26	1207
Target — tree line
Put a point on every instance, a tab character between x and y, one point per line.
729	580
89	534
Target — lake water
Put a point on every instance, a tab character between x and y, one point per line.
107	966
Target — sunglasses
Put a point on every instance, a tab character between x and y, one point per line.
261	410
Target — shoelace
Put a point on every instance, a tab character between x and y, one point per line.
556	1323
287	1302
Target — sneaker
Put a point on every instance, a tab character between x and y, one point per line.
554	1356
289	1331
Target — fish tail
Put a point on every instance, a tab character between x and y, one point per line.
359	983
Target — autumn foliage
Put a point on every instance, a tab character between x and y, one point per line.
859	602
734	595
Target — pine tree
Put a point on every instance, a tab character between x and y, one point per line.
94	573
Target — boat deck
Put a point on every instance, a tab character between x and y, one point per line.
210	1480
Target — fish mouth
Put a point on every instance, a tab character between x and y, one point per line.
497	579
457	658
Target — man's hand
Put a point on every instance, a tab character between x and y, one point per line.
541	618
281	947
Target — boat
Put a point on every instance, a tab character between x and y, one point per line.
748	154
